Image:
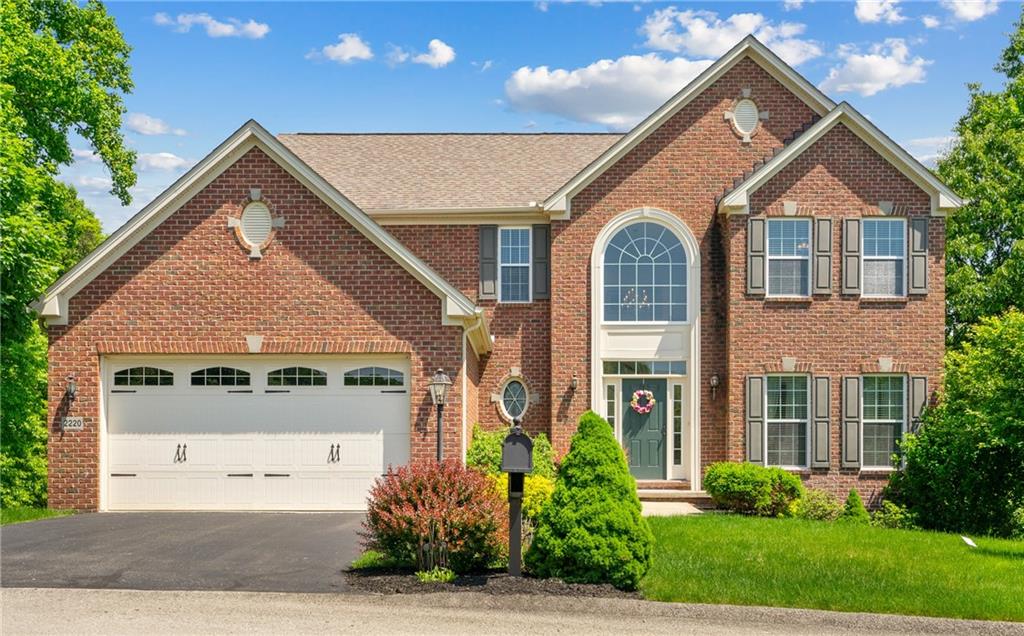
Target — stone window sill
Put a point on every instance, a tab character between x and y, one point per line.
788	300
884	300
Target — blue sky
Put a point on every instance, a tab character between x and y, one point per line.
203	69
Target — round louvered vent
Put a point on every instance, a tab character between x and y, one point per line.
745	116
256	223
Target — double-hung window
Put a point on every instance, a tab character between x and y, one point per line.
885	242
514	265
884	399
786	425
789	257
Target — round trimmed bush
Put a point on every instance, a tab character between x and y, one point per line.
819	505
437	516
592	530
752	489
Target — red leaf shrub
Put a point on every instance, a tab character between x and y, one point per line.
437	515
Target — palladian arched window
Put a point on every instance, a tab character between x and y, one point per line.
645	275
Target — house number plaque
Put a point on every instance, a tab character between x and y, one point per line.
72	424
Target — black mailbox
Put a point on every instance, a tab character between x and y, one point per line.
517	452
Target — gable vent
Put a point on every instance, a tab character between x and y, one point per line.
256	224
745	116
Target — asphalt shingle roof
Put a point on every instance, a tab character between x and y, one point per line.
394	171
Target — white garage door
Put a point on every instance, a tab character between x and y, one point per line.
252	433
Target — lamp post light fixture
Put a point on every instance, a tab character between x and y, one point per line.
438	393
714	381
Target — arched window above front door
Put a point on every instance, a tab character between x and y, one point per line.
645	275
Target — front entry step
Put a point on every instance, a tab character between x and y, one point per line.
663	484
700	500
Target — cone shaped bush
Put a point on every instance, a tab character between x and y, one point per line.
592	530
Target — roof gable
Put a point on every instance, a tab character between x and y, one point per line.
558	204
736	201
457	309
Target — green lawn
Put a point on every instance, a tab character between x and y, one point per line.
717	558
18	515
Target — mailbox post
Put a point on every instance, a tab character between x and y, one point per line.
516	460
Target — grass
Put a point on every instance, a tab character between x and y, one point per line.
717	558
373	560
19	514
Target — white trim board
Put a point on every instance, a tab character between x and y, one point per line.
456	308
558	204
943	199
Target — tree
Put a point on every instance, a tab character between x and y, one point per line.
63	70
985	238
592	531
964	470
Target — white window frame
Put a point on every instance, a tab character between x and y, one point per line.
865	257
769	258
806	422
528	265
613	416
688	306
501	398
863	420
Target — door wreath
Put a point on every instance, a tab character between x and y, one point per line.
642	402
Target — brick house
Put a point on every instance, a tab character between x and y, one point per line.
764	263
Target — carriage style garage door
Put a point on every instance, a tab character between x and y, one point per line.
251	432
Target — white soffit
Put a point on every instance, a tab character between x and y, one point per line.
943	198
558	203
456	307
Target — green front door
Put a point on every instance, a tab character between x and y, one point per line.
643	435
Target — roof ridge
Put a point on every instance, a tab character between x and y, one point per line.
460	134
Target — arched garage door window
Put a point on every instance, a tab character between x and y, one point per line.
645	275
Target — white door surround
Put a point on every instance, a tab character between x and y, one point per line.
654	341
264	442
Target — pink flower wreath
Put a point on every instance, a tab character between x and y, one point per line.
648	401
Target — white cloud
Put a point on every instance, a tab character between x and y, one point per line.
614	93
886	65
94	183
438	55
887	11
483	66
703	34
970	10
542	6
147	125
349	48
930	21
85	154
792	5
164	161
397	55
928	149
233	28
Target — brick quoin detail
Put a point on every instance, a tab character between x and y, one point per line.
189	287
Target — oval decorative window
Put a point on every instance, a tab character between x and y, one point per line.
256	223
745	117
514	399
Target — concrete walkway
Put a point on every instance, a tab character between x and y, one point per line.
82	611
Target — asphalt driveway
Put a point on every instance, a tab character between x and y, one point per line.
260	552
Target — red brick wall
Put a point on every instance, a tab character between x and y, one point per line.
522	331
839	176
189	287
680	168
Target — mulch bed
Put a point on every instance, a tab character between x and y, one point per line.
498	583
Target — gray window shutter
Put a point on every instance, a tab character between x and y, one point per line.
918	400
917	249
755	419
541	261
488	261
822	256
851	422
755	256
820	434
851	257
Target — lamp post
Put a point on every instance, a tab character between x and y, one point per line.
438	393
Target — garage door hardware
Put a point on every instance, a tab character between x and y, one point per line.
239	474
123	391
122	474
276	391
393	391
334	456
180	454
239	390
276	475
